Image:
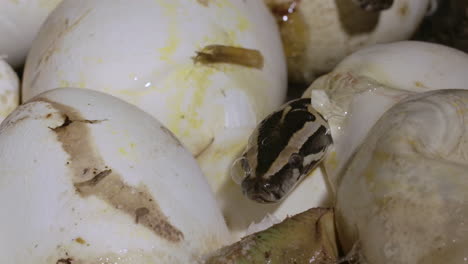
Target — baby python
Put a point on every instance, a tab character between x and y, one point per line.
282	150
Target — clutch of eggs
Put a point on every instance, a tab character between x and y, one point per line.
208	70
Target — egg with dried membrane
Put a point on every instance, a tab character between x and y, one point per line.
209	70
370	81
9	89
88	178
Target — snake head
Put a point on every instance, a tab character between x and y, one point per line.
283	148
262	192
273	188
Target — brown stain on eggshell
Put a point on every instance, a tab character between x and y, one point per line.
204	3
294	34
67	28
64	261
91	177
354	20
213	54
403	10
55	44
80	241
420	85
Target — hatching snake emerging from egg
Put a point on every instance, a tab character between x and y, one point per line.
283	148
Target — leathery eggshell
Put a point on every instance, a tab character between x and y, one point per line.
367	83
318	34
19	23
88	178
208	70
402	198
9	90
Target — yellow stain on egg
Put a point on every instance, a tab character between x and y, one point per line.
382	156
64	83
331	160
243	23
172	44
128	151
369	175
411	142
123	151
192	82
221	3
48	4
173	40
137	92
78	84
93	60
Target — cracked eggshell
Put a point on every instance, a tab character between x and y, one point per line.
19	23
369	82
165	64
9	90
99	181
318	34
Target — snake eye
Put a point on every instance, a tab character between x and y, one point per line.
295	160
240	169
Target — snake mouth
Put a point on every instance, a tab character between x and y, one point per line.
260	198
260	192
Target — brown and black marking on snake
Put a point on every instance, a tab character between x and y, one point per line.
374	5
285	147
